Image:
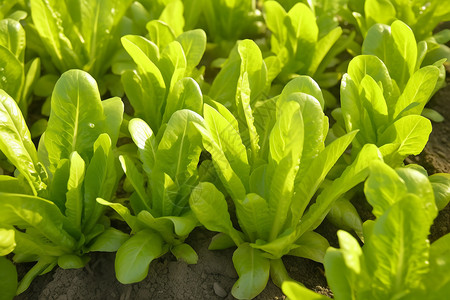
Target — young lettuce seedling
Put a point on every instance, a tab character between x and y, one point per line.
48	210
272	183
161	83
397	260
162	180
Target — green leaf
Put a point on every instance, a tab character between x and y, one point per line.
379	11
344	215
144	139
253	65
311	245
113	111
194	45
145	89
71	127
418	184
34	212
48	24
135	255
101	180
286	145
70	261
7	241
343	267
14	185
185	94
438	278
109	241
406	136
229	141
253	271
397	252
295	291
417	92
58	188
173	15
136	179
253	216
352	175
383	188
8	279
221	241
303	34
314	176
210	208
124	212
185	253
74	194
173	63
286	137
12	37
405	42
178	153
16	143
159	33
441	188
44	263
11	74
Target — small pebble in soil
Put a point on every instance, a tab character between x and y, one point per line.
204	286
219	291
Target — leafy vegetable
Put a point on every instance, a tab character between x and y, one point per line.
162	181
160	85
372	103
272	182
49	210
397	260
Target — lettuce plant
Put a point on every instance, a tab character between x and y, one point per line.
48	210
76	34
397	260
271	177
396	46
372	103
162	180
160	84
300	44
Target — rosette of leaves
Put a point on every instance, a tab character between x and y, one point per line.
303	44
48	210
396	46
161	80
384	114
271	172
163	175
397	260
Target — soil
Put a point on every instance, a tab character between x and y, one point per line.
214	275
